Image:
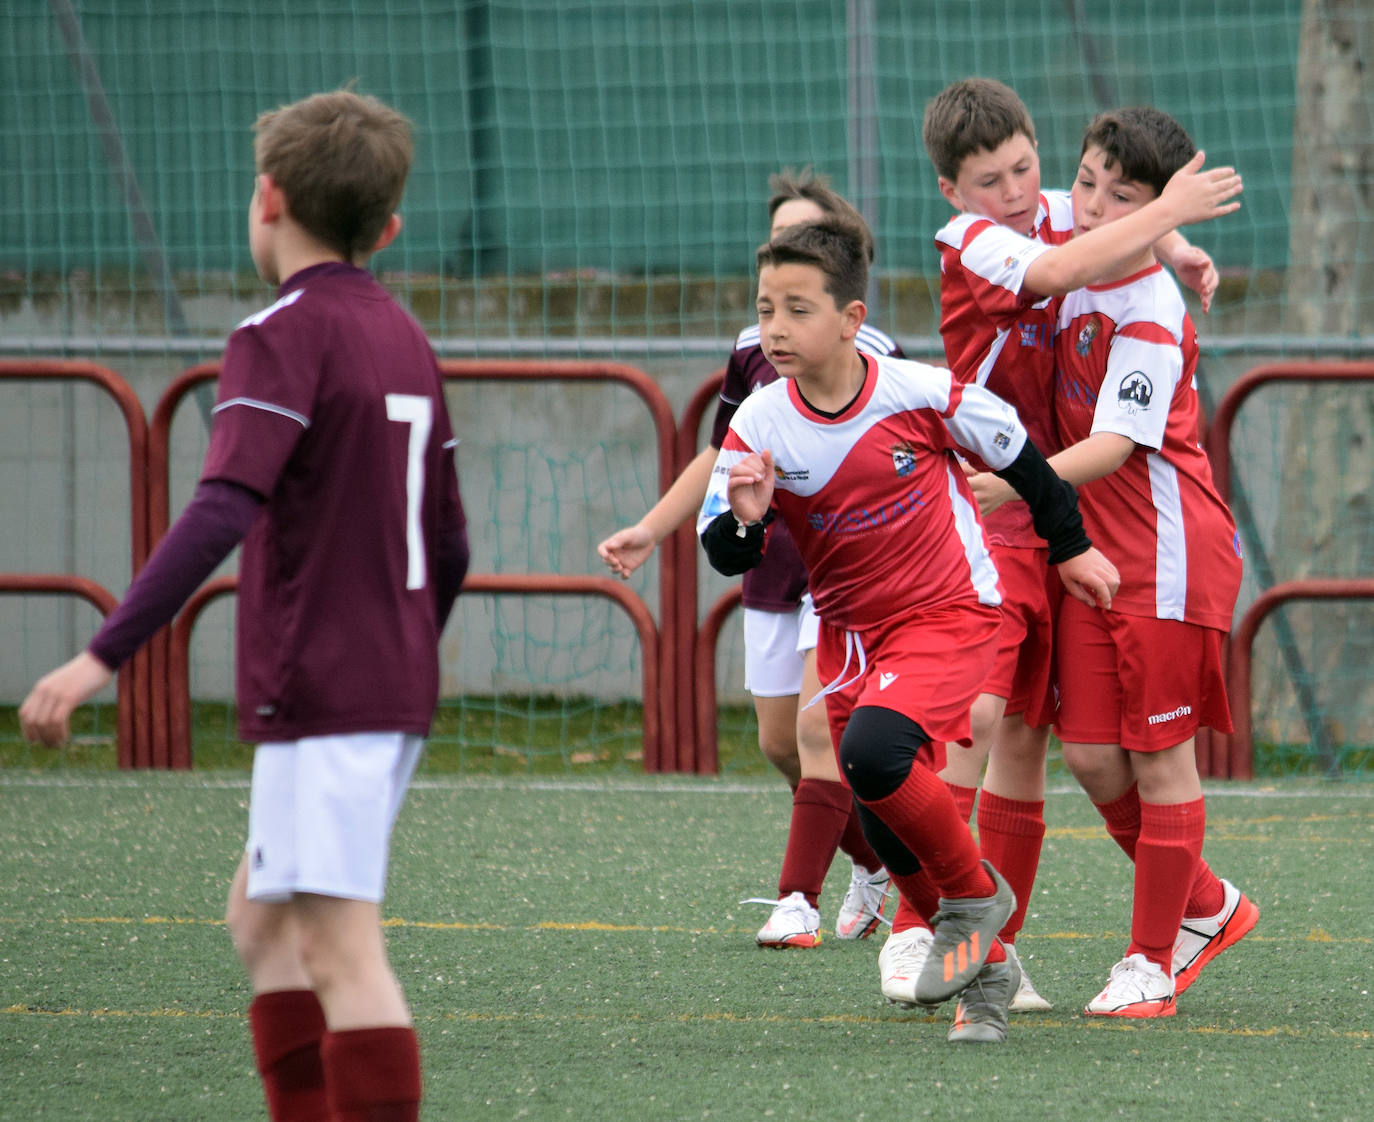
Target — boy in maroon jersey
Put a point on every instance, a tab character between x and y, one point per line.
780	638
856	454
1126	410
1000	259
331	459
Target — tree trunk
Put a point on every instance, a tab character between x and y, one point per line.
1325	524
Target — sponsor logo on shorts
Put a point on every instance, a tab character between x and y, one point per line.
1161	718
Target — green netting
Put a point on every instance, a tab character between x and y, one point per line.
590	181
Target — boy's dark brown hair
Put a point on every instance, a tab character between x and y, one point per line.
1147	145
968	116
341	159
835	247
788	184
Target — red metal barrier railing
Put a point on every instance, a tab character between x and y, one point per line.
661	645
1238	685
494	584
57	584
134	687
1303	373
665	752
1233	756
696	721
704	663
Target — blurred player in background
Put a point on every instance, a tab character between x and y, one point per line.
780	638
1147	674
331	460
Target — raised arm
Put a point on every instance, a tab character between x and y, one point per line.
1190	196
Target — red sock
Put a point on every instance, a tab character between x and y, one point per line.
921	812
1207	895
820	811
1166	855
963	799
917	900
1122	817
287	1026
373	1074
855	846
1010	834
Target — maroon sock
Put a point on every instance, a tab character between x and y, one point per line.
855	846
1010	834
287	1027
1165	860
922	813
1122	818
373	1074
820	810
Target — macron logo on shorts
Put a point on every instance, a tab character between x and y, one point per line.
1161	718
885	680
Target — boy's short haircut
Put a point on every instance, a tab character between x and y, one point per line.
341	159
809	184
1146	144
836	248
968	116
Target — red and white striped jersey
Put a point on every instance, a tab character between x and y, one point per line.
874	497
999	336
1126	356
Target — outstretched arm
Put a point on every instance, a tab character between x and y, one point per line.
217	519
627	549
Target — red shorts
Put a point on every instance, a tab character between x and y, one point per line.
927	667
1023	671
1145	684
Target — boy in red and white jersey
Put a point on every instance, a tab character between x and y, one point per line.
856	454
780	638
1147	674
1002	259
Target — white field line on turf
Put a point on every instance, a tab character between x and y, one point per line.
665	785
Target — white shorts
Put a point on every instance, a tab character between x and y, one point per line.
775	645
321	813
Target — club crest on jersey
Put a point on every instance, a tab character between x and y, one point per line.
903	457
1090	331
1135	391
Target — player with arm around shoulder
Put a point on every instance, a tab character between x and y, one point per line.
331	460
1147	674
1003	258
856	455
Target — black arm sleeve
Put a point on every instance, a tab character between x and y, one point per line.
728	551
1053	503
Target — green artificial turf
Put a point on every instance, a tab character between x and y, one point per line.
577	951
